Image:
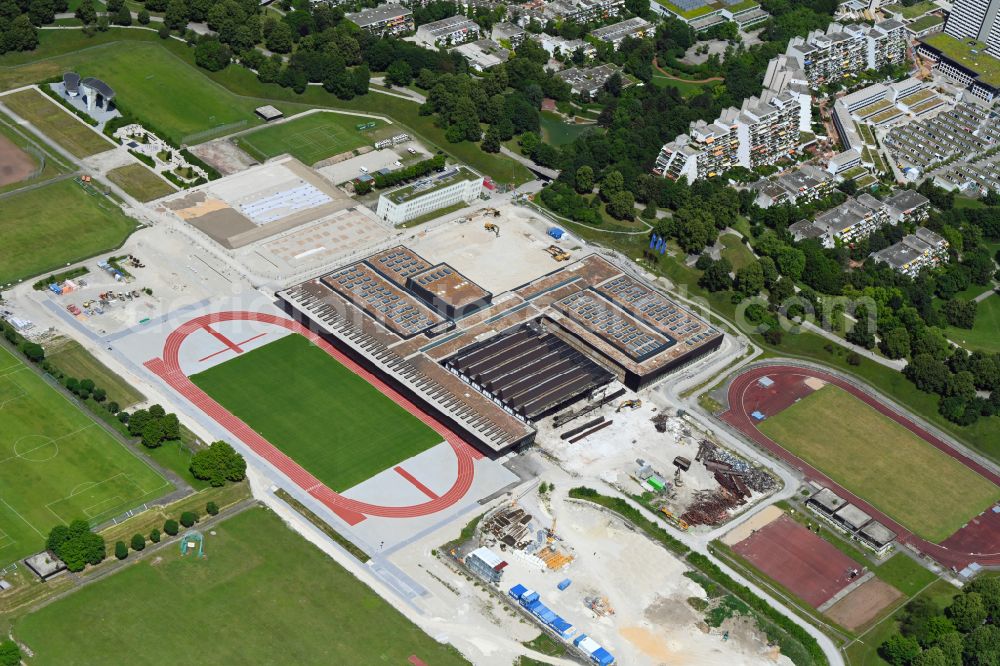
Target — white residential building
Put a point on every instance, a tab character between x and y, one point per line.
451	31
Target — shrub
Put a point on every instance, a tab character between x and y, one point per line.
212	509
189	518
121	550
170	527
10	653
154	536
138	542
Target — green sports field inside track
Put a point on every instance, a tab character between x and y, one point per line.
329	420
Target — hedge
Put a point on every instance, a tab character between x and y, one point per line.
44	283
197	161
409	173
69	107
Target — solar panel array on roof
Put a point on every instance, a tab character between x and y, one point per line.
284	203
672	321
612	324
688	5
529	371
391	306
398	263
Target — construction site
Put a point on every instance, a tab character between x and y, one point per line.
648	449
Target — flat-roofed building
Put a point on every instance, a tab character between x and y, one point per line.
876	536
483	54
908	206
450	31
826	501
588	81
615	33
486	564
431	193
851	517
507	32
845	50
917	251
384	20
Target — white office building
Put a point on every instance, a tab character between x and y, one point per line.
456	185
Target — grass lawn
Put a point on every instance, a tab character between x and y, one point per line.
736	252
75	361
984	334
913	11
332	422
882	462
904	574
310	138
56	464
56	123
59	223
558	132
685	88
140	182
240	89
279	598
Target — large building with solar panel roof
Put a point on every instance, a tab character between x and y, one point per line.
492	367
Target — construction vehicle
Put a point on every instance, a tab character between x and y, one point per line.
557	253
631	404
489	226
491	211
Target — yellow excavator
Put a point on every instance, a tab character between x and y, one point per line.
631	404
491	211
557	253
489	226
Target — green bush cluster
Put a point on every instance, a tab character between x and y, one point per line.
417	170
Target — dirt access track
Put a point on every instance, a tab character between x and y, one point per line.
978	541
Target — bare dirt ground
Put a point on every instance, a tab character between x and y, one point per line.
15	164
224	155
863	604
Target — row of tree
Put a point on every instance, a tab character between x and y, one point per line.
171	527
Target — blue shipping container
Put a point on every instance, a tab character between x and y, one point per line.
602	657
564	584
529	597
579	639
532	605
556	232
517	591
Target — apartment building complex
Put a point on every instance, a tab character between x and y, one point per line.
850	221
762	132
978	20
844	50
799	185
451	31
917	251
634	27
384	20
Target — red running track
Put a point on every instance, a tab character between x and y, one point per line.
975	547
351	511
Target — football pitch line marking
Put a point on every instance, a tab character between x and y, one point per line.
26	521
51	441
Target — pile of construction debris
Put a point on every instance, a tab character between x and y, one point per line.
511	527
737	480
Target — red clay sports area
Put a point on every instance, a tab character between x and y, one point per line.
351	511
978	541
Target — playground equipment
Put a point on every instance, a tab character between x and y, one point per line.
489	226
193	540
631	404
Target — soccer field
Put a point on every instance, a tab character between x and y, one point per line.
45	228
311	138
922	488
329	420
56	464
263	595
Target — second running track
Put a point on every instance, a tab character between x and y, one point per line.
976	542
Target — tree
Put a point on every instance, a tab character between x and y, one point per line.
20	36
121	550
86	12
750	279
170	527
399	73
361	77
960	313
152	434
932	657
695	228
982	646
176	16
10	653
218	463
967	611
163	31
189	518
716	277
612	184
280	38
896	343
138	542
213	55
33	351
212	509
76	545
100	395
928	373
491	140
42	11
621	206
899	650
154	535
143	17
584	179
